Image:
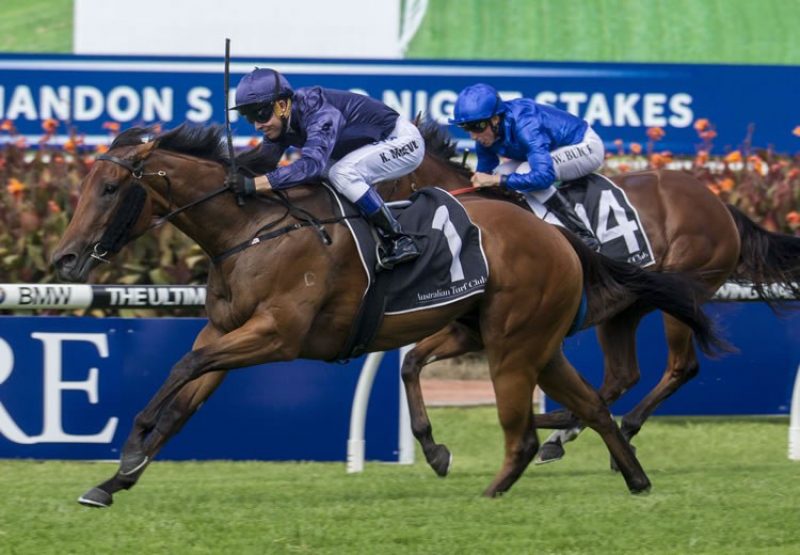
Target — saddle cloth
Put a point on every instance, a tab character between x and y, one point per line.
606	210
452	264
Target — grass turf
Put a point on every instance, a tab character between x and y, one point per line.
707	31
36	25
720	486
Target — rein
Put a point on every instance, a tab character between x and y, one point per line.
306	220
116	234
277	233
463	191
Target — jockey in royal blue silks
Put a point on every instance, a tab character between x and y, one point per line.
348	138
544	145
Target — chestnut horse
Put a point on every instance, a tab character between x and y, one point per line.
296	294
690	230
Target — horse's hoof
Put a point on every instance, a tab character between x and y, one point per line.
441	461
551	451
642	489
96	498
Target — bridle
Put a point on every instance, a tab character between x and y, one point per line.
117	232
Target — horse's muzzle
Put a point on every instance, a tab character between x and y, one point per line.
72	267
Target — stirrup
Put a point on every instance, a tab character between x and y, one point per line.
388	259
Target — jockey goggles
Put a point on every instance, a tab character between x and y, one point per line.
475	126
261	113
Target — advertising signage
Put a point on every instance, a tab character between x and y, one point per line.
70	388
620	100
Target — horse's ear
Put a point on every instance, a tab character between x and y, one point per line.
146	149
418	119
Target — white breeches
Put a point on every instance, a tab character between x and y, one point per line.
570	162
397	155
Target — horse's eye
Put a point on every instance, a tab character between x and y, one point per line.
110	188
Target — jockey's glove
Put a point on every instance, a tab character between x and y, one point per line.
241	185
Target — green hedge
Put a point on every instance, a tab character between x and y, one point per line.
40	192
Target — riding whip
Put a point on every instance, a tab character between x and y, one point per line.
231	153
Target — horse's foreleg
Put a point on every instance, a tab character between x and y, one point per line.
177	399
617	338
453	340
134	462
255	342
563	383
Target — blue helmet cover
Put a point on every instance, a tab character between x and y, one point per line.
262	86
474	103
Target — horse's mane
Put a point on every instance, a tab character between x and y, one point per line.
202	142
440	144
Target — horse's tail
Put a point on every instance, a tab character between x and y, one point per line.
766	259
613	286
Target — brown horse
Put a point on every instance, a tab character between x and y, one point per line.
690	230
296	294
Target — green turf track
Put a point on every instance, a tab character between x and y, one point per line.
718	31
720	487
36	26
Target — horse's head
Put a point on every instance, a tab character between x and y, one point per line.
135	181
114	207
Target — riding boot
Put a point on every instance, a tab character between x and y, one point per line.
396	246
563	209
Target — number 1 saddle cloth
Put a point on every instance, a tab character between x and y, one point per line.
452	264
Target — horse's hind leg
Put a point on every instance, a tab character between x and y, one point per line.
617	338
562	382
453	340
682	366
514	392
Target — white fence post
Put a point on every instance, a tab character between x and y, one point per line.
358	414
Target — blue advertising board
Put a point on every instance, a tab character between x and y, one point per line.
757	379
619	100
70	388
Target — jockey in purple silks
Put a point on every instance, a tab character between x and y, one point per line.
350	139
544	145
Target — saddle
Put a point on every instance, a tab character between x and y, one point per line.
452	264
